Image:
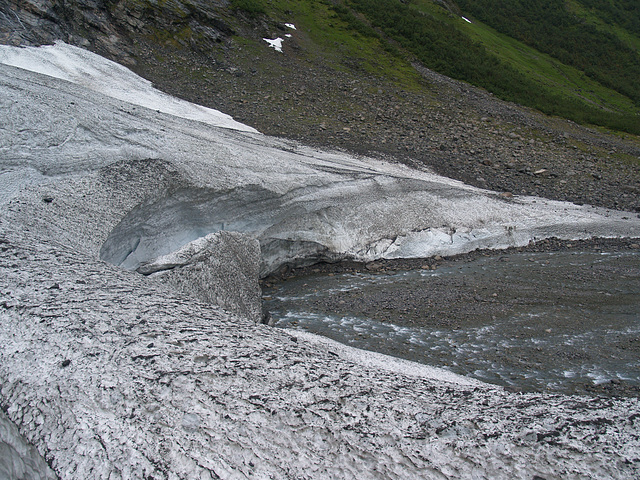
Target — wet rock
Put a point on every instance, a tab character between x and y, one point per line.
374	266
617	388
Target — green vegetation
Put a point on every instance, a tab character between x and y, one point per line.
550	27
577	59
536	53
441	46
625	13
594	17
252	7
339	39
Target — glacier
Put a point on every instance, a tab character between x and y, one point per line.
110	370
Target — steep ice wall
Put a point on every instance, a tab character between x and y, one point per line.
111	374
364	217
220	268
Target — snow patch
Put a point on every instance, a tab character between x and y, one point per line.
275	44
466	19
96	73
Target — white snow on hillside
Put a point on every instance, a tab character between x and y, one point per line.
276	43
101	75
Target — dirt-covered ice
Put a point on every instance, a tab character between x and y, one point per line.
113	374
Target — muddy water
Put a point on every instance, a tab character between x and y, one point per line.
565	321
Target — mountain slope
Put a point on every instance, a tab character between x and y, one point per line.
579	60
344	82
577	35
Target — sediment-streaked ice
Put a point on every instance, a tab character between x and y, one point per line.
302	204
110	374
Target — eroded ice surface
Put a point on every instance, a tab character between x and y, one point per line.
112	374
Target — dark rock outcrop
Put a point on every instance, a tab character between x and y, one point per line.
113	28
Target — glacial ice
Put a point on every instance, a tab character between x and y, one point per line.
83	68
112	374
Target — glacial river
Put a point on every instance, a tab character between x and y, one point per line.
554	322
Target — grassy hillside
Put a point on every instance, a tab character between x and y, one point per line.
576	59
551	27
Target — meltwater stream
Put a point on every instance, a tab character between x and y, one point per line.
558	321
